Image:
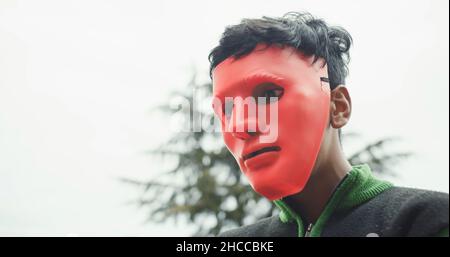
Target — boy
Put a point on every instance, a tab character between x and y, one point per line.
295	66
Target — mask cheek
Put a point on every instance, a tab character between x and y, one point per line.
230	143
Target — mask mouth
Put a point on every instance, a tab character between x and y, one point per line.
262	150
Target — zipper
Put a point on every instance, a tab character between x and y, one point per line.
308	230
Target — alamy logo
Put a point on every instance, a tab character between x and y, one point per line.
232	115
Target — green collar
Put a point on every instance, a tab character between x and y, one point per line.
357	187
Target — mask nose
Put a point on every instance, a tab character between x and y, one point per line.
245	129
243	123
243	135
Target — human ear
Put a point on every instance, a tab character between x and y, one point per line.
340	107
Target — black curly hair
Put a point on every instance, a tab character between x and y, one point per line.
311	36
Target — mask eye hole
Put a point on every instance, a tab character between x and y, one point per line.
267	93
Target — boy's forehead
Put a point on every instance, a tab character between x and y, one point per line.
286	63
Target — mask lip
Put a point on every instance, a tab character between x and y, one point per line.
260	151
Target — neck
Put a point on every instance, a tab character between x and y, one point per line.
311	201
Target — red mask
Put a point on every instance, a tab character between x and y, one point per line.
282	166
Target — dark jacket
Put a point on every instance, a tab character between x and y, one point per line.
362	206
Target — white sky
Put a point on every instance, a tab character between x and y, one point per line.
78	78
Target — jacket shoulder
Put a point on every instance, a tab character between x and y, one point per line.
397	211
416	212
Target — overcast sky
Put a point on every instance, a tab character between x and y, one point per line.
78	78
